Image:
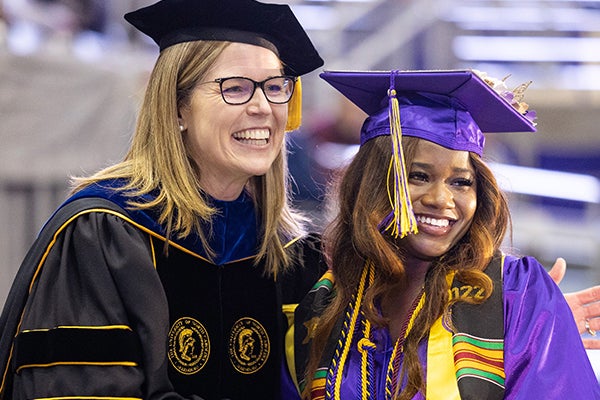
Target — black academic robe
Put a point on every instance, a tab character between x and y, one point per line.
98	309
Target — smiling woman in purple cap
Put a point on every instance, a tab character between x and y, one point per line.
420	301
167	274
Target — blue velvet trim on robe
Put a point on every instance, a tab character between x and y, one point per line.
234	226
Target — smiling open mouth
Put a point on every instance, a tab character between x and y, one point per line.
440	223
256	137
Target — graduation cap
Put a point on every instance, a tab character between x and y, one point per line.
451	108
273	26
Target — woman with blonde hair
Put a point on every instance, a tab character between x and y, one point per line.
190	235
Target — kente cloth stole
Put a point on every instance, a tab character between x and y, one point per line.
305	320
469	364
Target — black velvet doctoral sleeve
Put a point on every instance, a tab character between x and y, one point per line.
96	317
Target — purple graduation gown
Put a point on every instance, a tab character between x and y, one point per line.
544	357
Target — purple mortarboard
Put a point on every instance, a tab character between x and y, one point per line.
451	108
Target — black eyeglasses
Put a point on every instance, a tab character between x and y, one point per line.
239	90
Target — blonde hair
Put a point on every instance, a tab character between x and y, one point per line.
158	162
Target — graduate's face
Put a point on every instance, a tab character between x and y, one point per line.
443	191
231	143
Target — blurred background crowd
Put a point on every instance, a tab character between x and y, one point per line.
72	73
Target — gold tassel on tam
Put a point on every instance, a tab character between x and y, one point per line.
295	108
401	220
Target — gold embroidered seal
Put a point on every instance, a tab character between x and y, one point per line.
189	346
249	346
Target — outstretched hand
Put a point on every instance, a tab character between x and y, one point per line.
584	304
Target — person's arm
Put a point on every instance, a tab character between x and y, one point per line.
97	287
584	304
543	353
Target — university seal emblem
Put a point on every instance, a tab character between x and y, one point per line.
249	346
189	346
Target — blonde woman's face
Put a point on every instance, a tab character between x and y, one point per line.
443	191
231	143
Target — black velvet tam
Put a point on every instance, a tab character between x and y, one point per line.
273	26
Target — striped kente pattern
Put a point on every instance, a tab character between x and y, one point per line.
479	358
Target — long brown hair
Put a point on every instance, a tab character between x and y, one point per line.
157	161
354	237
